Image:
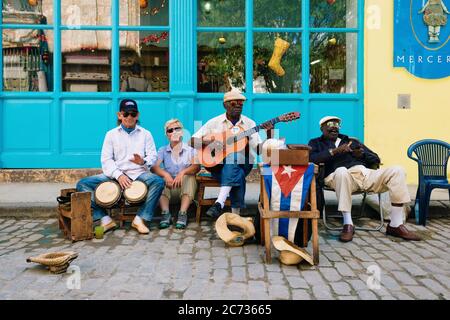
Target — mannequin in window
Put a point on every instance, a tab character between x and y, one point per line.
135	82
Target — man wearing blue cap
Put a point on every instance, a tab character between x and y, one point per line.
128	153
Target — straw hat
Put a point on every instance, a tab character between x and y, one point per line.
234	238
290	253
57	262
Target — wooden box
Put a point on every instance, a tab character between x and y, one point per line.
75	218
295	155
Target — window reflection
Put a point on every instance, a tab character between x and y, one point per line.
333	13
144	12
86	58
27	12
333	63
217	13
221	61
277	13
146	69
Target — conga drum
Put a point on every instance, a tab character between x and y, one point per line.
136	193
107	194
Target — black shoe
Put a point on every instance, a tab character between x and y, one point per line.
214	211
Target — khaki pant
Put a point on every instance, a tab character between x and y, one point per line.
188	187
359	178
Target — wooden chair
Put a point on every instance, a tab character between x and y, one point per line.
291	157
204	180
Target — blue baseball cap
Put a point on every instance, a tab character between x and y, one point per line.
128	105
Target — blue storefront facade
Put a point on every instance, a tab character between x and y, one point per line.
62	128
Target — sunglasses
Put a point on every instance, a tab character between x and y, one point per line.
235	103
173	129
126	114
333	124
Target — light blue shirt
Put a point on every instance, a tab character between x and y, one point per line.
174	166
119	148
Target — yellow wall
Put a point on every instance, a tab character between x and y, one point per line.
389	131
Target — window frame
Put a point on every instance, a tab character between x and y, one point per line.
57	27
306	30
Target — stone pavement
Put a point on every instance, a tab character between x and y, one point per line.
195	264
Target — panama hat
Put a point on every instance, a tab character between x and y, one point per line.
328	118
286	246
233	95
234	238
57	262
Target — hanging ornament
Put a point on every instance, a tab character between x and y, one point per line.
33	2
143	4
332	41
222	40
331	1
279	50
45	56
207	6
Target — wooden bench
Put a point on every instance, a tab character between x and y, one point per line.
204	180
75	217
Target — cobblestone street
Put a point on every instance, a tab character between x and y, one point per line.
195	264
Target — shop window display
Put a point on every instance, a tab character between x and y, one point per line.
277	13
27	60
221	13
146	69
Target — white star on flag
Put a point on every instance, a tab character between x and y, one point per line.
288	170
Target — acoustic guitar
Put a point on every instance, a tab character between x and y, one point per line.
234	140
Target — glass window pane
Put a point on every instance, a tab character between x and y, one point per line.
221	61
86	58
334	13
277	62
145	68
84	12
333	63
277	13
27	12
27	60
144	12
229	13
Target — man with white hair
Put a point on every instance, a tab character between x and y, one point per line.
236	166
347	162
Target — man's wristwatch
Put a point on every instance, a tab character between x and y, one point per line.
331	152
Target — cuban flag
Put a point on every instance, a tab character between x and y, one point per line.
287	188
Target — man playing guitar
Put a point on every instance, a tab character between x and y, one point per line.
235	166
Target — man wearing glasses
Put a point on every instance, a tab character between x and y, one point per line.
128	153
347	163
236	166
178	171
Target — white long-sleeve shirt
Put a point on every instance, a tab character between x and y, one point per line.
119	148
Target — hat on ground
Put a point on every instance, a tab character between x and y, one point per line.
328	118
128	105
234	238
287	248
57	262
233	95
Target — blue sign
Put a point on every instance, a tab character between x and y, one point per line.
422	36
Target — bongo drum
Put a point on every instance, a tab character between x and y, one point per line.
136	193
107	194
